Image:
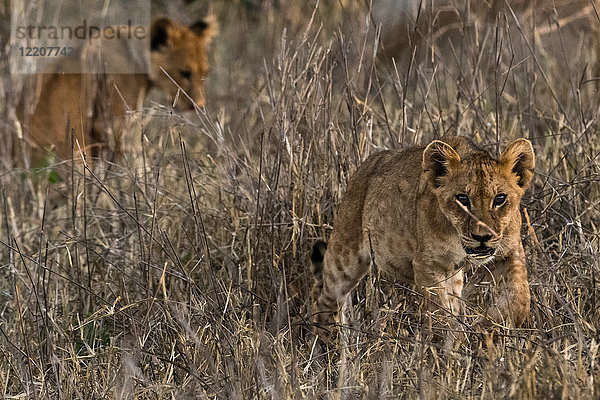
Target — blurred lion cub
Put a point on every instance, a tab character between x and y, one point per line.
92	105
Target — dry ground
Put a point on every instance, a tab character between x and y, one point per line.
181	271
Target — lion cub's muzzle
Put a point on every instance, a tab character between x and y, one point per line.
478	246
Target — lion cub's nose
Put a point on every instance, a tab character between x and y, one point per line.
480	238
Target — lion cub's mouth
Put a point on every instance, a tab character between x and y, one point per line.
480	251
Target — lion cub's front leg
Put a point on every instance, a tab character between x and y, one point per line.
513	302
442	288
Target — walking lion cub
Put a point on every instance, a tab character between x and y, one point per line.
423	214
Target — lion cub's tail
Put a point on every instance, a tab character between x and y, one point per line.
317	256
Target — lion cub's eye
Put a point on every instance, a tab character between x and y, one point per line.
499	200
185	73
463	199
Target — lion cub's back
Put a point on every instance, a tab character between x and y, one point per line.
385	184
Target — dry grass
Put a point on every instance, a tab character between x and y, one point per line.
182	270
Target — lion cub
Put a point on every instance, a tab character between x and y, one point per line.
421	214
93	106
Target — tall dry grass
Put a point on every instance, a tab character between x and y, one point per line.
182	270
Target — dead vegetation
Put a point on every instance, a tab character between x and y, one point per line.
182	270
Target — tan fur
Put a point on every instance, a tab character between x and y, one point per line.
93	105
402	205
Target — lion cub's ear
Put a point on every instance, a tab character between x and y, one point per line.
206	28
163	31
518	158
160	31
439	159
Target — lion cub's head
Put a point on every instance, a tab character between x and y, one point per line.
478	194
181	52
